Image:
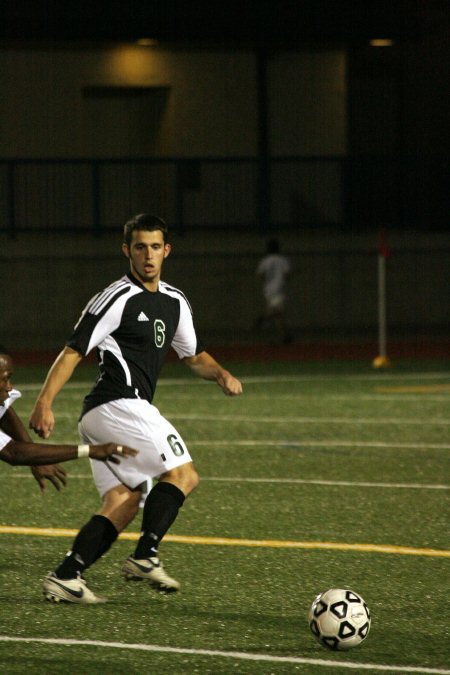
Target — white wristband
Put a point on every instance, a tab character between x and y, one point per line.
83	451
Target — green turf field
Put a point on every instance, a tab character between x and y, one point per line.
321	475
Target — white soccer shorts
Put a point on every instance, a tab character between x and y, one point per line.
139	425
275	302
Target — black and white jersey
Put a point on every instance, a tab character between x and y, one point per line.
132	330
13	395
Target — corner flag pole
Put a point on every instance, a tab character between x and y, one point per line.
382	360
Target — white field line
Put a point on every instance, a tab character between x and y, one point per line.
295	396
256	379
321	444
307	420
305	443
241	656
263	379
294	420
288	481
328	483
32	386
88	385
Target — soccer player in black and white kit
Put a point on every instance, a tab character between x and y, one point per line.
132	324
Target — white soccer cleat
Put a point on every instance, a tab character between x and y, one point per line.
151	570
69	590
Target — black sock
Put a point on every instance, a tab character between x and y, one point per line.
160	510
91	542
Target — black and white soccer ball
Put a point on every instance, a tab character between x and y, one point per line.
339	619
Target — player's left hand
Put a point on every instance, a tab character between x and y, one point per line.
55	473
230	385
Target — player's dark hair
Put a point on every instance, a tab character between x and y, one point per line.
144	221
5	351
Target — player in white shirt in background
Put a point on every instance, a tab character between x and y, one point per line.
274	270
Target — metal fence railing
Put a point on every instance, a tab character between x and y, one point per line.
96	195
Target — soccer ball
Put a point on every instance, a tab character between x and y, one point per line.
339	619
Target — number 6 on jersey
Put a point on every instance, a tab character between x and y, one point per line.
175	445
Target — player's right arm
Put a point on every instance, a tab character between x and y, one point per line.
42	420
18	453
13	426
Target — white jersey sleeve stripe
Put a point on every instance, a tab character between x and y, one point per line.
4	439
175	292
108	323
102	299
111	346
185	340
14	394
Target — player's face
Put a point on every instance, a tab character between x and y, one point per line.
5	377
146	254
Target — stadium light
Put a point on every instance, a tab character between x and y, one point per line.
147	42
381	42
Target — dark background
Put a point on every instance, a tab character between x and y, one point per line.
271	23
395	171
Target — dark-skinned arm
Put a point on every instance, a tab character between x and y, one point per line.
19	453
12	425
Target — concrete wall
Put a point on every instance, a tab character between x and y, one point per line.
56	102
